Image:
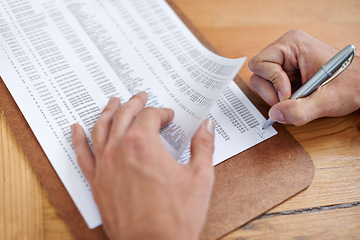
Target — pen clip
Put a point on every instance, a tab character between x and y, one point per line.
345	65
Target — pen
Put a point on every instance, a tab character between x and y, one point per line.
328	72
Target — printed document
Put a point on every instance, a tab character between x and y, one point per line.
62	60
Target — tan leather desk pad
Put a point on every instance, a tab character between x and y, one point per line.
246	185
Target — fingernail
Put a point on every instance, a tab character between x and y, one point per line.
72	128
142	93
111	100
277	116
281	98
210	126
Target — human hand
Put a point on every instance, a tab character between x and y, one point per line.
292	60
142	192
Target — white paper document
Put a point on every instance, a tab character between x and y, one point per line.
63	59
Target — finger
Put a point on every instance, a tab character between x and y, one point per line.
150	120
83	152
101	130
265	89
301	111
126	114
268	65
202	147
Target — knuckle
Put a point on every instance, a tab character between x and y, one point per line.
82	157
98	127
139	97
126	108
204	173
295	32
205	143
252	63
76	142
107	109
110	153
275	77
135	138
123	114
135	101
151	112
253	82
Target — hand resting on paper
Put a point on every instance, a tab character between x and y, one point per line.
292	60
141	191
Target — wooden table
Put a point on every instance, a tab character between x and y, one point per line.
328	209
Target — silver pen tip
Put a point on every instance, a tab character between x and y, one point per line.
268	123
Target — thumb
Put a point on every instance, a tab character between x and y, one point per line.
299	111
202	145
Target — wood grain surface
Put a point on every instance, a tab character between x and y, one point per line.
328	209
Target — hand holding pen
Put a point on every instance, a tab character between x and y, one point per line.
296	58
